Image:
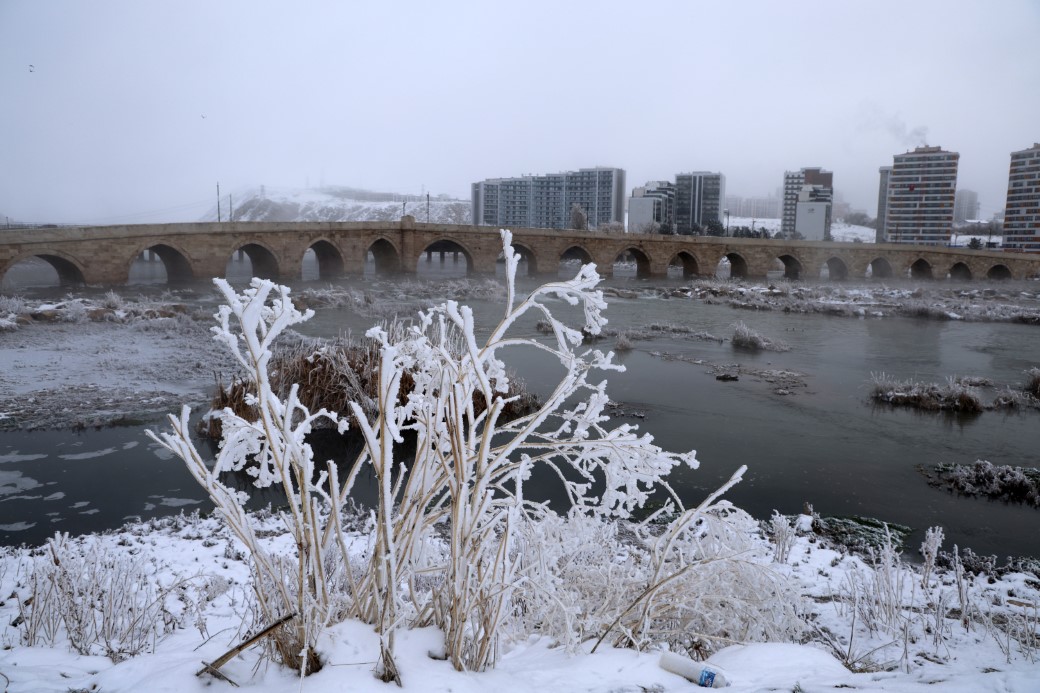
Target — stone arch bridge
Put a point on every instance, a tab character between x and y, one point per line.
103	255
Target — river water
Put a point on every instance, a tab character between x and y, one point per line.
824	443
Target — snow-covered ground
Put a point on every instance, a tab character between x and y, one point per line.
340	204
840	231
207	610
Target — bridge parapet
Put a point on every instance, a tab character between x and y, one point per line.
104	254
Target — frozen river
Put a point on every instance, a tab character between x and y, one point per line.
800	419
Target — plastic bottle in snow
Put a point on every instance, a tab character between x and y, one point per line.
700	673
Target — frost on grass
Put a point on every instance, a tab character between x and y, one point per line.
960	394
999	482
749	340
456	539
951	396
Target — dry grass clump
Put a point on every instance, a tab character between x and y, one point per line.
746	338
1033	384
623	343
953	396
330	377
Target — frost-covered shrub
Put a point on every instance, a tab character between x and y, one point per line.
1033	382
74	310
1001	482
879	594
112	301
782	532
746	338
933	538
623	343
13	305
953	396
97	601
447	540
584	577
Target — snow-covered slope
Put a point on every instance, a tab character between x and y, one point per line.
340	204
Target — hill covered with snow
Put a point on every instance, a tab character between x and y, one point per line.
266	203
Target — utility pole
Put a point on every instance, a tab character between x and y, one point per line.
231	208
218	202
427	208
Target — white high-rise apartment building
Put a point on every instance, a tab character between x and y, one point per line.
1022	213
545	201
921	189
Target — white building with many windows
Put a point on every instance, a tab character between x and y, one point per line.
794	181
1022	212
545	201
921	190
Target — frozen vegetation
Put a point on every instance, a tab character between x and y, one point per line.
999	482
963	394
746	338
995	303
458	578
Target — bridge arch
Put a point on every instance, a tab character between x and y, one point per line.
447	245
574	252
686	262
641	258
527	256
837	270
960	272
69	270
174	260
880	268
263	259
920	269
386	256
792	266
999	272
328	258
738	266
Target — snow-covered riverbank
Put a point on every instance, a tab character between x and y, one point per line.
932	641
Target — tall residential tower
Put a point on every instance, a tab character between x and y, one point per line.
1022	213
699	199
921	190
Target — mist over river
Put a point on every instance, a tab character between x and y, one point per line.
799	419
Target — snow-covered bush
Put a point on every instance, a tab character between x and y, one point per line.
782	533
452	530
1032	383
623	342
98	602
933	538
13	305
746	338
953	396
112	301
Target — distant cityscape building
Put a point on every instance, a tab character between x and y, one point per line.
651	206
813	213
1022	212
793	183
753	207
882	204
545	201
965	205
699	198
921	187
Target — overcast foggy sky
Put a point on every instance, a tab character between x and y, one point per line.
132	111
